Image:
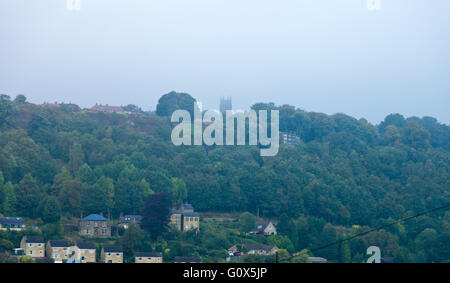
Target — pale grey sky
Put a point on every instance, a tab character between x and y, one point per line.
320	55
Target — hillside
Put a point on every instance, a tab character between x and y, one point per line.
346	174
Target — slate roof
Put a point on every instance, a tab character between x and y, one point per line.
187	206
148	254
12	220
188	259
94	217
260	226
86	245
34	239
59	244
131	219
191	214
113	249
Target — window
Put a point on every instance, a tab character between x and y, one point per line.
30	245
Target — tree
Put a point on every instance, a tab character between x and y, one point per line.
20	99
25	259
87	175
172	101
132	108
51	211
301	257
9	204
6	245
283	224
7	109
132	240
76	158
29	196
281	242
155	215
247	221
100	196
292	233
345	252
70	196
177	192
2	194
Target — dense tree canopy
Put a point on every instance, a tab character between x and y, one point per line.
347	175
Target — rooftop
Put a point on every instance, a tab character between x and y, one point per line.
255	247
34	239
192	214
187	206
131	219
94	217
113	249
12	220
86	245
181	259
59	243
148	254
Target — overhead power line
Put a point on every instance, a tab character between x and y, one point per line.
381	227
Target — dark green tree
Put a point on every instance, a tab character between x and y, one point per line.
28	196
51	211
172	101
155	215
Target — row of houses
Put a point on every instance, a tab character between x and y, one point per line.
95	225
61	251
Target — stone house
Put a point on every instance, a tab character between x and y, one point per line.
85	252
95	225
185	219
264	228
112	254
148	257
33	246
125	221
58	250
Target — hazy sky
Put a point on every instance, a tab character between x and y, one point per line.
320	55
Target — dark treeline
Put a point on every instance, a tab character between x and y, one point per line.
348	175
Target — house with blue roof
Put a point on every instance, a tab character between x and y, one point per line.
95	225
